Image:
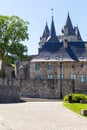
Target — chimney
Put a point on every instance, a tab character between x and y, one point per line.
65	43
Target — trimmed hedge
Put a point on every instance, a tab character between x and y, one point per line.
75	97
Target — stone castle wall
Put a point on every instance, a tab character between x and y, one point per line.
12	89
46	88
9	90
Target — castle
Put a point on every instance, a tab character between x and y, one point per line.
59	68
61	56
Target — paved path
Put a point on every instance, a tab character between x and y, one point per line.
39	116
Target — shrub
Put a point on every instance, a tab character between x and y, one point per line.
75	97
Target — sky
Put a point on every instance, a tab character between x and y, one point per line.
38	12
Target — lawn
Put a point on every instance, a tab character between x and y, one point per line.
76	107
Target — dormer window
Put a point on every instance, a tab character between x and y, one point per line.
47	57
81	58
57	57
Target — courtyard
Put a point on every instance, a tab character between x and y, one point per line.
40	115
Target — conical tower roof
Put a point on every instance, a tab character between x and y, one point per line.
46	32
53	36
69	25
77	33
52	30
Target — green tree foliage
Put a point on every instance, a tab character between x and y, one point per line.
13	32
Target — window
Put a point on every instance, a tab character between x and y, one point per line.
60	65
83	78
38	76
61	76
81	57
73	66
57	57
50	76
37	67
73	76
47	57
82	66
49	66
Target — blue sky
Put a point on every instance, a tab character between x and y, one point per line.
37	12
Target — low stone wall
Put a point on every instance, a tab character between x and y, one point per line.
9	91
46	88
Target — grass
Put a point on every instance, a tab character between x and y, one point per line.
76	107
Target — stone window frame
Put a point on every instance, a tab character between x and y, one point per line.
84	78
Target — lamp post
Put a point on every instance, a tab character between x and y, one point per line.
60	80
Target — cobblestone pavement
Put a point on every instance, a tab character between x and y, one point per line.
50	115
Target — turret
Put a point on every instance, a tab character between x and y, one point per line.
68	28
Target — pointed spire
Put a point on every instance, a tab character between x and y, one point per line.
69	25
46	32
52	31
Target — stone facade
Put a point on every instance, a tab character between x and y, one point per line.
69	70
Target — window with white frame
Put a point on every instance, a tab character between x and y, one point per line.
37	67
83	78
73	76
50	76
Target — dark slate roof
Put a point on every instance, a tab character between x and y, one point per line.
46	32
69	25
52	30
53	51
77	33
52	37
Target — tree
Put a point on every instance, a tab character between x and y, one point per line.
13	32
